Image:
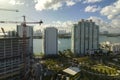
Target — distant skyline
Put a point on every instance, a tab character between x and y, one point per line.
63	13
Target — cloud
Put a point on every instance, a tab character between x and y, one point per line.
70	3
91	1
115	23
16	2
93	8
53	4
67	25
112	11
47	4
61	24
111	26
10	3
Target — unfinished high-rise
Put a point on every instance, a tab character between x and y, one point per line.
15	56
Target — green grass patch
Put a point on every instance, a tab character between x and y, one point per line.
105	70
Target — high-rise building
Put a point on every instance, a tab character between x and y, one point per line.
85	37
50	41
11	58
15	55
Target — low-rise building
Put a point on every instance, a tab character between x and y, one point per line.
113	47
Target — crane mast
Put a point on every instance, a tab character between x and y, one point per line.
24	43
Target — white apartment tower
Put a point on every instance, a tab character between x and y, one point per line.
85	37
50	41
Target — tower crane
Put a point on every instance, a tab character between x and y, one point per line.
24	35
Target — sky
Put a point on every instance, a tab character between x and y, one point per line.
62	13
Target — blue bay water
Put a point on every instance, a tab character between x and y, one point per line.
64	44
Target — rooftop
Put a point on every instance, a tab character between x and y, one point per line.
72	70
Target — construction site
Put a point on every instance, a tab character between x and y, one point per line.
16	50
11	58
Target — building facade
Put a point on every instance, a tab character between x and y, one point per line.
108	46
11	59
85	37
115	48
50	41
15	55
29	34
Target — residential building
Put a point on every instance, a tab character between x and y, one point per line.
115	48
108	46
85	37
62	32
50	41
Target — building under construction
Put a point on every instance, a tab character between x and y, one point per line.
15	56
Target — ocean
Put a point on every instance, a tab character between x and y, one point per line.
64	44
